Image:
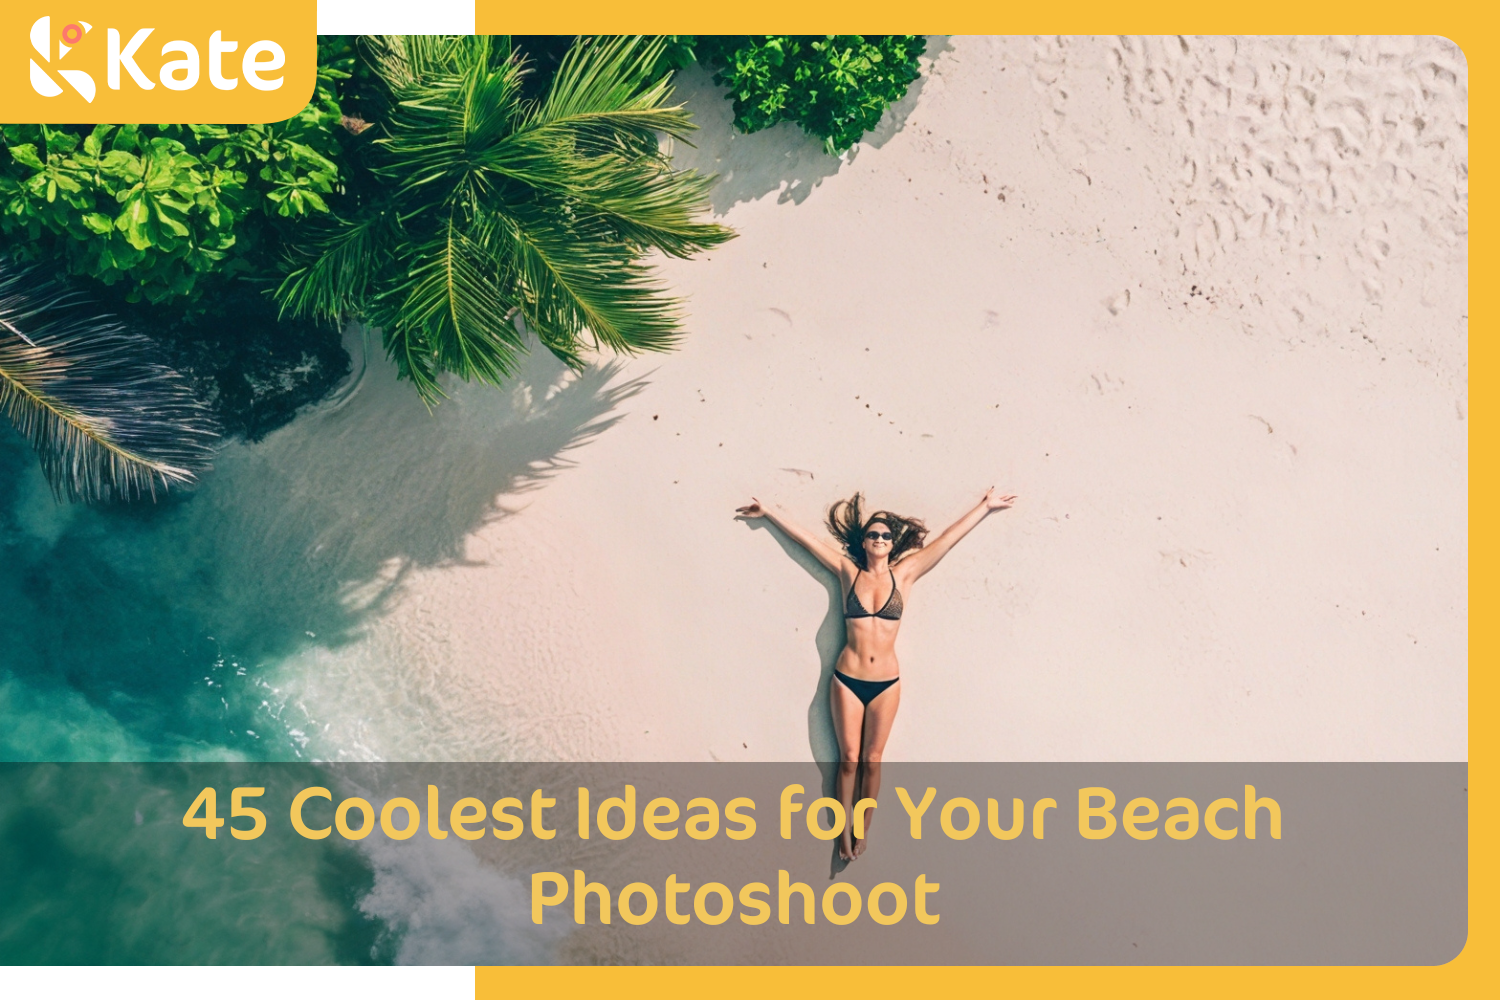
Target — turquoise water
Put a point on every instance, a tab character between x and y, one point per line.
125	640
170	632
202	628
131	632
97	868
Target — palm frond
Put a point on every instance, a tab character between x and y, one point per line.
602	76
632	130
651	205
503	206
444	124
454	303
579	279
552	157
107	418
341	263
402	60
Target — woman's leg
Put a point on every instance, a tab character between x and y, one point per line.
878	717
848	726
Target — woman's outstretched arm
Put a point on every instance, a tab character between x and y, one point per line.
820	550
925	558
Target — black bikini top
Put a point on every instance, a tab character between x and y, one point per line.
891	611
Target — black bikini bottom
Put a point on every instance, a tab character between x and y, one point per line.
865	691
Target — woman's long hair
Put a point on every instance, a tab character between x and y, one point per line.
848	524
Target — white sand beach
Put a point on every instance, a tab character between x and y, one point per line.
1201	303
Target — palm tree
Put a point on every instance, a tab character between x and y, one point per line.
488	211
107	417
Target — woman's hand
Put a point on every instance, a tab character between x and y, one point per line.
831	558
753	509
996	501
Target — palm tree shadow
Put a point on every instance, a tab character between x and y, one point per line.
434	480
159	616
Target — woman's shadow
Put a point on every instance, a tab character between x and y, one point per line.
829	640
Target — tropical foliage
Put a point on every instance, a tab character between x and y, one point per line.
179	230
106	417
834	86
154	208
436	187
483	208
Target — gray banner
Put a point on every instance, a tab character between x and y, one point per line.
1369	867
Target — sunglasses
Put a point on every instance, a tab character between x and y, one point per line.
884	536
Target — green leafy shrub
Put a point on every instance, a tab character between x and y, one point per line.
835	86
154	208
180	231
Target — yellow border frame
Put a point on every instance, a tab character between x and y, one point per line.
1474	32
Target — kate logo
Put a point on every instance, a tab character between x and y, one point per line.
88	61
41	41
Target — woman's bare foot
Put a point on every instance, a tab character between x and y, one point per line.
848	851
859	846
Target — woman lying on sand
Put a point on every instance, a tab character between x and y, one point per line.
880	560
